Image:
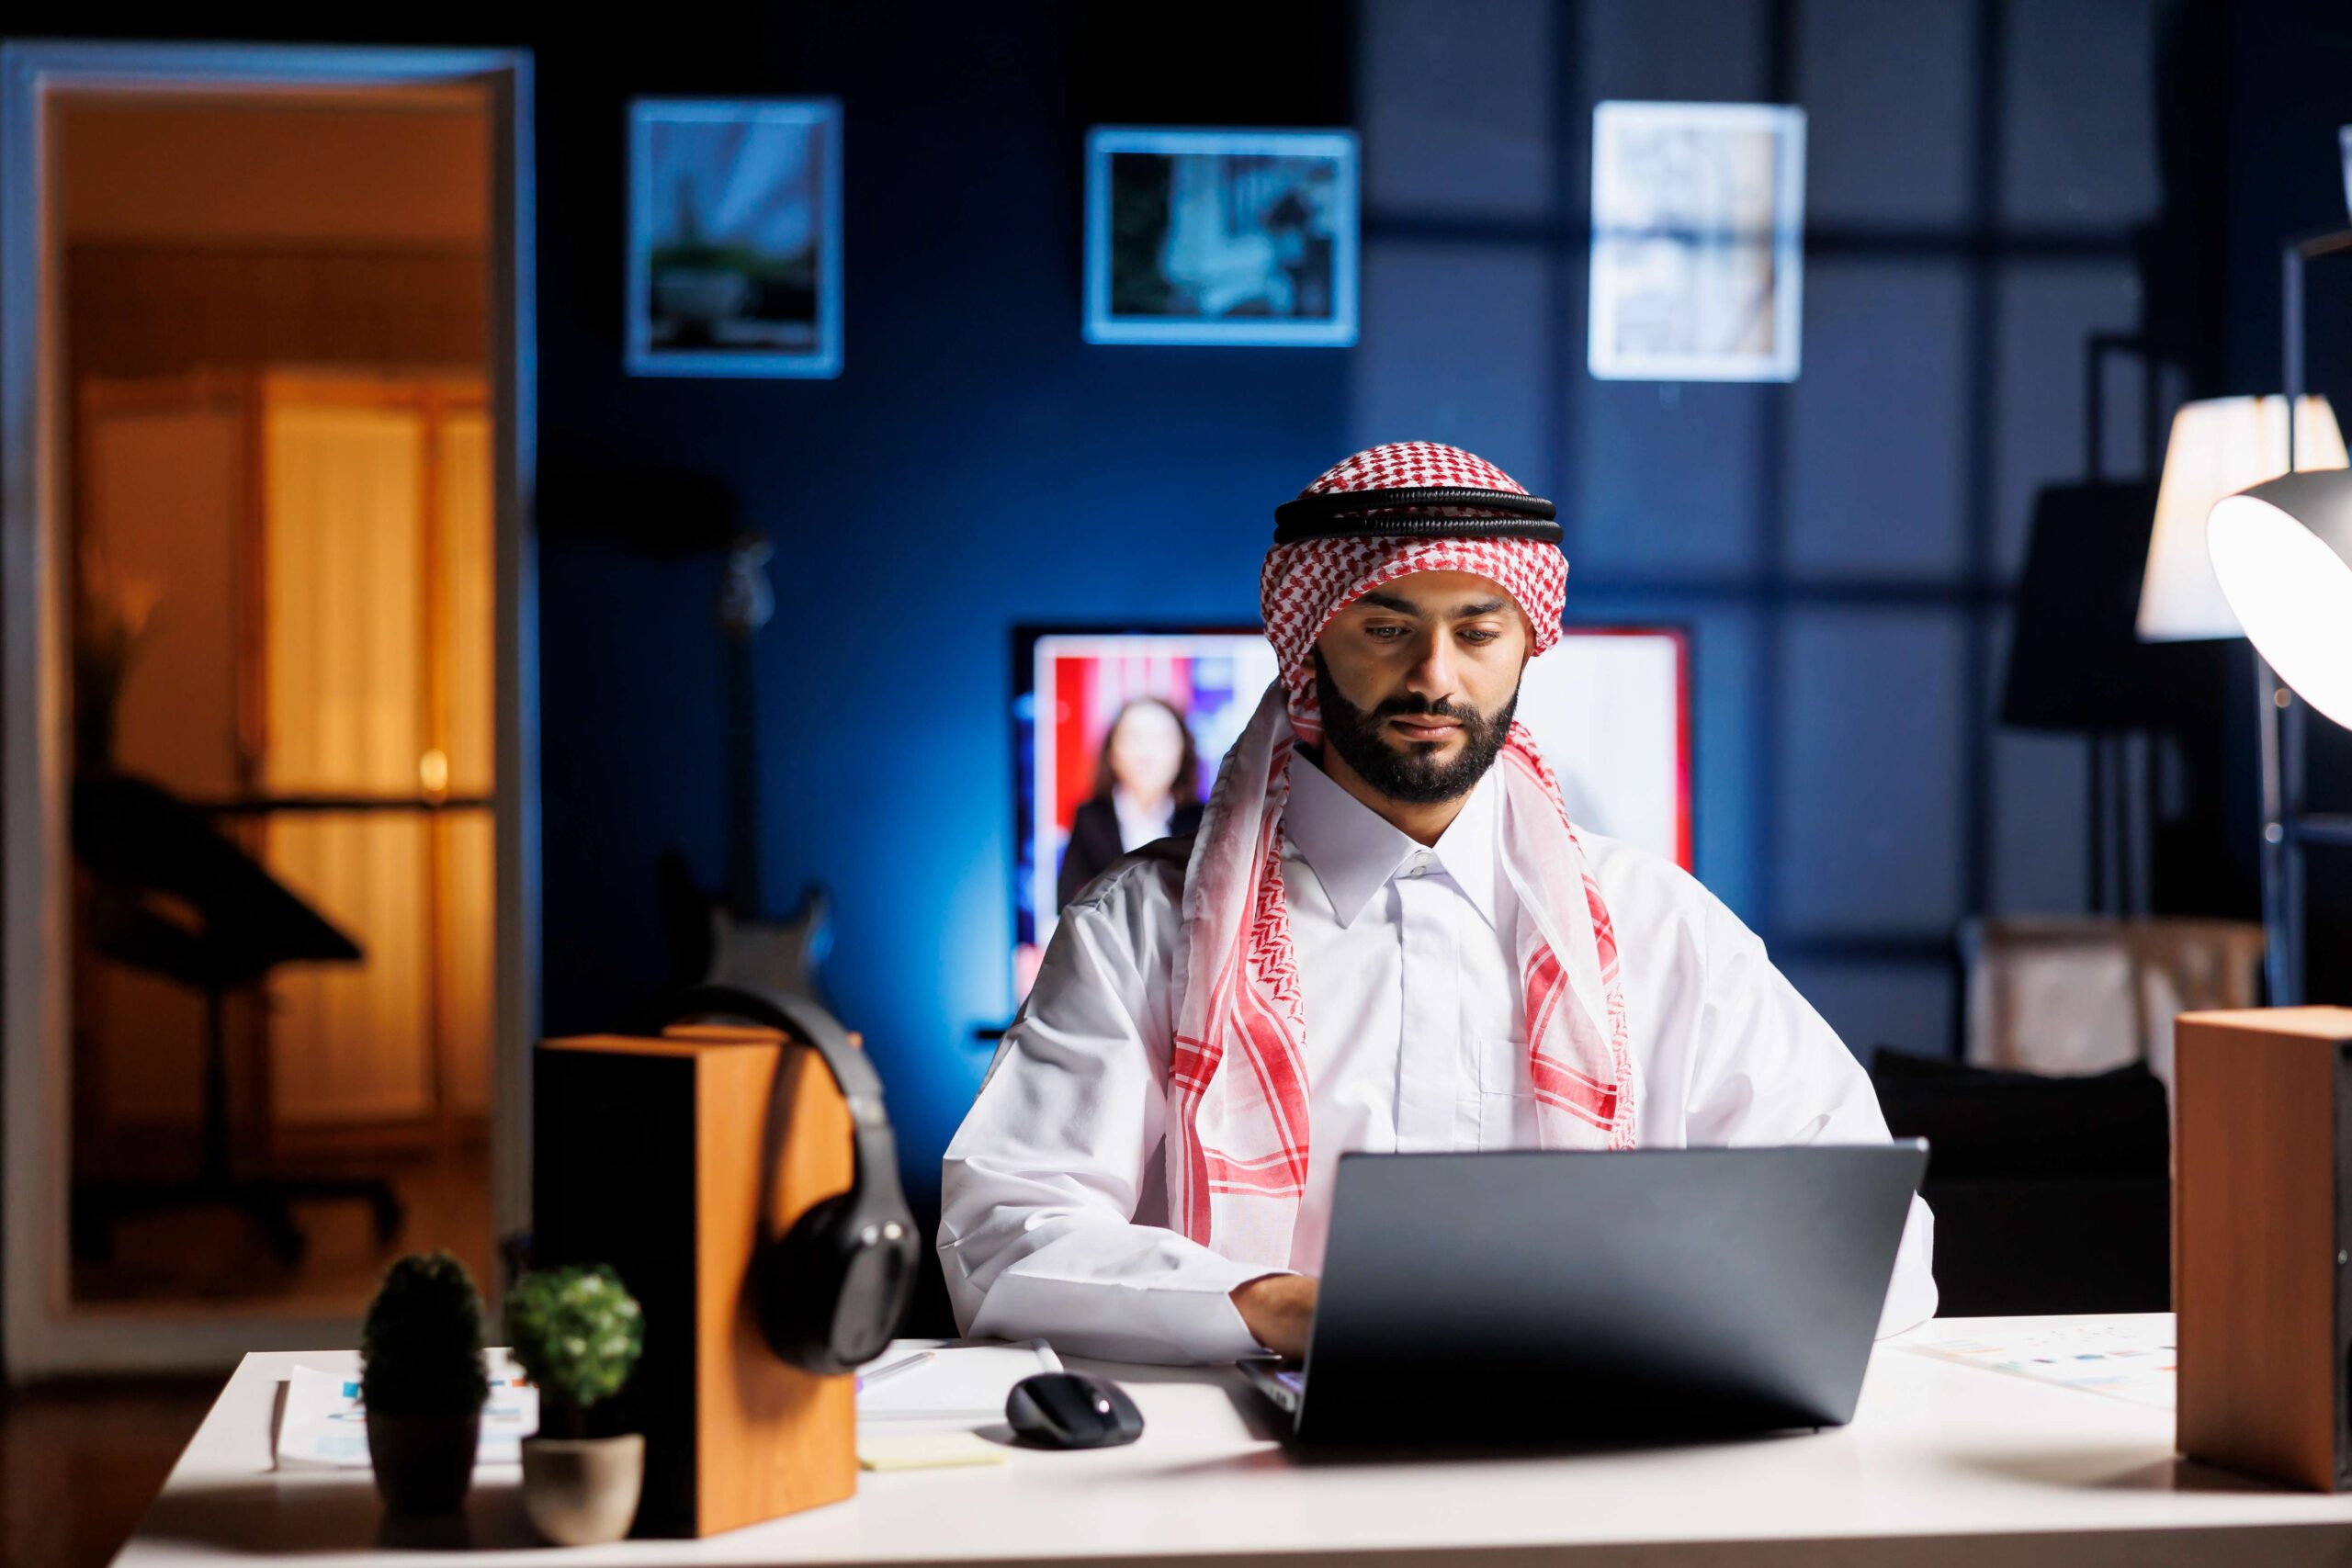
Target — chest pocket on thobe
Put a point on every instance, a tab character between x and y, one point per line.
1506	1098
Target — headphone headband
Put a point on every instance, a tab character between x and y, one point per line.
798	1019
834	1287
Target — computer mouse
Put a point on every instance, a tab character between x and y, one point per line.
1070	1410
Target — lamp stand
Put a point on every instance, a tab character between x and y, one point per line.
2286	827
2114	780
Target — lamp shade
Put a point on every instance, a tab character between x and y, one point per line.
2282	553
2219	447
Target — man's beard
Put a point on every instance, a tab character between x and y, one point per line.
1413	775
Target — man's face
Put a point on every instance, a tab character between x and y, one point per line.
1419	680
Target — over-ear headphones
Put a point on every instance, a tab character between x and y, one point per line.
832	1291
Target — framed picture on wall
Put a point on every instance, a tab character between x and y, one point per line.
1221	236
735	237
1698	223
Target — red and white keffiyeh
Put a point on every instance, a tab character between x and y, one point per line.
1236	1140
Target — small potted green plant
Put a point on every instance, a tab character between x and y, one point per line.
577	1333
423	1381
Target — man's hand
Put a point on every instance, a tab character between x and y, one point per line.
1278	1309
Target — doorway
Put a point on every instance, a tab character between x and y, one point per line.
271	955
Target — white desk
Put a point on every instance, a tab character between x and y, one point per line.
1943	1464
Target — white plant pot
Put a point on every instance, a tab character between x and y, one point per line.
582	1491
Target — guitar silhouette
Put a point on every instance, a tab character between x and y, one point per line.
728	939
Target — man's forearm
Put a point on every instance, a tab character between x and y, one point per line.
1089	1284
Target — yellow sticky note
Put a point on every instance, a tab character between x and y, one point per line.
927	1450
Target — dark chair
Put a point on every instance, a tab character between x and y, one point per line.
138	840
2050	1194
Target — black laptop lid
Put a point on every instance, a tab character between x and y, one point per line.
1526	1295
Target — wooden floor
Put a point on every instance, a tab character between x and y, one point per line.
212	1254
79	1463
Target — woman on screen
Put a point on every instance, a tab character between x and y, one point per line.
1147	786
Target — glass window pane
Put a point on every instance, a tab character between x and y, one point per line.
1698	49
1896	1006
1872	772
2047	311
1455	349
1877	448
2078	145
1668	476
1889	95
1457	107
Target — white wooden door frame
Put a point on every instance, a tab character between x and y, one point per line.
46	1336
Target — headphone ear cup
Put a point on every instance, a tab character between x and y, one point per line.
832	1291
877	1283
799	1279
830	1296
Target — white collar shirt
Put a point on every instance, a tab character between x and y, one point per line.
1054	1211
1140	825
1404	980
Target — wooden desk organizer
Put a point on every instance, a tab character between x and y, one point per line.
2262	1240
647	1157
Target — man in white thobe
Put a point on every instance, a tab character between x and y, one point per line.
1385	890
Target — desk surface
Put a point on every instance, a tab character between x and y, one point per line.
1943	1463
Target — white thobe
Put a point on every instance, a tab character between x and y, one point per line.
1054	1205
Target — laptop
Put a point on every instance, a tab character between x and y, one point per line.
1650	1294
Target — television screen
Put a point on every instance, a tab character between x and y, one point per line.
1609	706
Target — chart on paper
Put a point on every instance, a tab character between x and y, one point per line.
2130	1357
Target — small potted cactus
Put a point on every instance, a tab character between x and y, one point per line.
422	1381
576	1333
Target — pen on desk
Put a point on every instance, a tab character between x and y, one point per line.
893	1369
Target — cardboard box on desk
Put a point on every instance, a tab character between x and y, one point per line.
649	1156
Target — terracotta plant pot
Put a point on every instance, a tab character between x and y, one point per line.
424	1463
582	1491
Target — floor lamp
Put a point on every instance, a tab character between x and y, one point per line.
2286	827
2282	553
2219	446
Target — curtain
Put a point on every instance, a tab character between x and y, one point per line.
343	537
